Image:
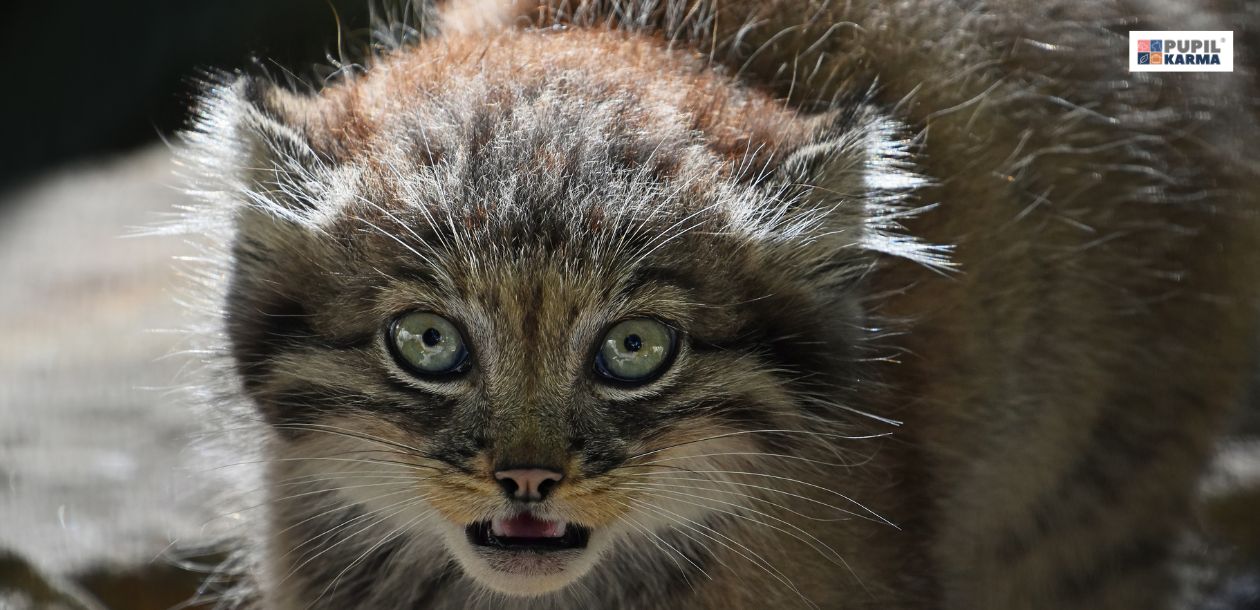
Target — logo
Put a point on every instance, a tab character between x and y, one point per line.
1177	51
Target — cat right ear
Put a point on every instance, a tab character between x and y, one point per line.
264	143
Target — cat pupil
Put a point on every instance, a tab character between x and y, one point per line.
431	337
633	343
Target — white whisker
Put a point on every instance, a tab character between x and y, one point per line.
876	516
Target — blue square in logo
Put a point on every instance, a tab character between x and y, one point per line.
1157	46
1144	58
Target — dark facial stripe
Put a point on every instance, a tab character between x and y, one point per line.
259	328
649	420
300	403
263	326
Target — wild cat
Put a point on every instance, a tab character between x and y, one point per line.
730	305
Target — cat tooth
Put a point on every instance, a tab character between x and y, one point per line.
557	529
496	527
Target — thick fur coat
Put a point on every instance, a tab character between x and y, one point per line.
963	302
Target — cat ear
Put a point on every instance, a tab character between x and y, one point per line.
283	123
855	179
264	144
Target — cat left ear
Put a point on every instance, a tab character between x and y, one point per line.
265	140
282	121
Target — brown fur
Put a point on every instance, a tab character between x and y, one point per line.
1059	385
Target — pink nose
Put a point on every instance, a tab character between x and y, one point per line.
528	484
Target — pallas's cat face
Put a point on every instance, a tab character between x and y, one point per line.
537	311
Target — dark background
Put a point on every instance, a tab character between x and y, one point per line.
89	77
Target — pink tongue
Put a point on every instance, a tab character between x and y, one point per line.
526	526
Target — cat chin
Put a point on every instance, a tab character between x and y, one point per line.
521	574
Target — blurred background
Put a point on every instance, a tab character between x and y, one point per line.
102	504
88	78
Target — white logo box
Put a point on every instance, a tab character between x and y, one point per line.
1208	41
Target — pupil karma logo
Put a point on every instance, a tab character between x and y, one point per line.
1181	51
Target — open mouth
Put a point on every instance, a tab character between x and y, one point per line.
526	532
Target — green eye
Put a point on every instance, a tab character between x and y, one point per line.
427	344
635	351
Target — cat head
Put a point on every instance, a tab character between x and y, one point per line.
547	295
